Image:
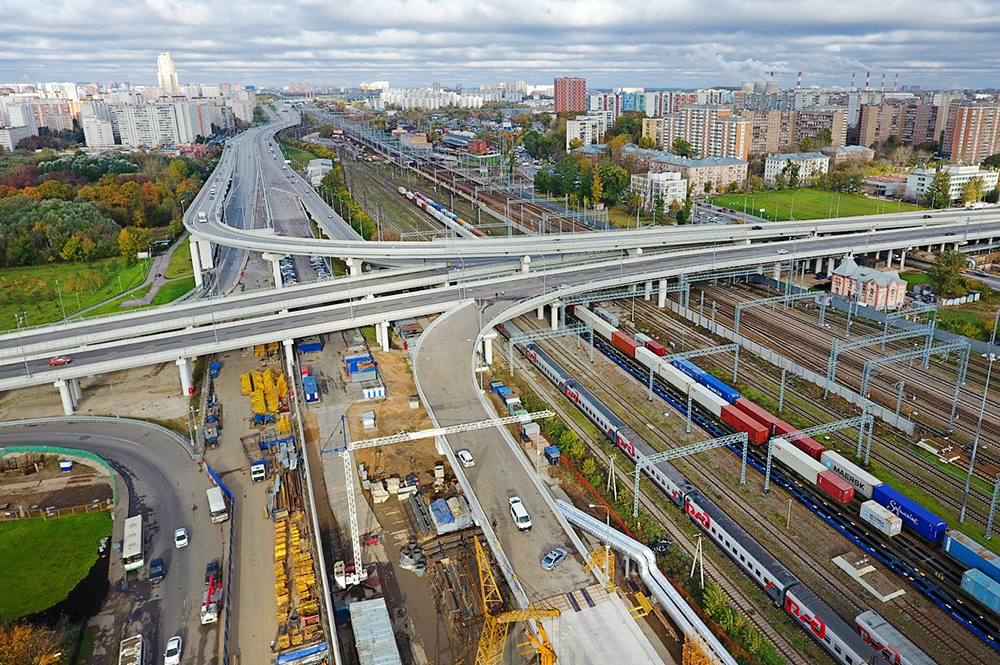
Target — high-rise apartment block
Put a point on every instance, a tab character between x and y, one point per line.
973	132
712	130
165	74
908	122
777	131
570	94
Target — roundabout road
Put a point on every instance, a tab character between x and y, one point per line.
167	487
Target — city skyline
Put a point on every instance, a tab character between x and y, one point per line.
939	44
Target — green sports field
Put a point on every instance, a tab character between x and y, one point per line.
807	203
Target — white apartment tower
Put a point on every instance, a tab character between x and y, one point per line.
166	75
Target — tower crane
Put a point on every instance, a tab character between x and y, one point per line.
403	437
496	622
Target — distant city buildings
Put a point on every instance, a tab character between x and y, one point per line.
166	76
919	180
809	165
570	94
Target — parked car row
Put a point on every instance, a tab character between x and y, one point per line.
321	267
288	274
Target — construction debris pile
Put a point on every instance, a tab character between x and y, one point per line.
411	557
268	392
295	584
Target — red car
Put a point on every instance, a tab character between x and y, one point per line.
60	360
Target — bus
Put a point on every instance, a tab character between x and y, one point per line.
217	505
132	545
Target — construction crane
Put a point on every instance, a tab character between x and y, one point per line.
496	622
403	437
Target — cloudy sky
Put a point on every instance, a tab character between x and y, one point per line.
651	43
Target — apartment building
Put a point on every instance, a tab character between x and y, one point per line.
973	132
587	129
720	172
907	122
810	165
920	179
570	94
667	186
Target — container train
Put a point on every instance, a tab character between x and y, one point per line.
815	616
442	214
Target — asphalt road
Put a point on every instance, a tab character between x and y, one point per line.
168	488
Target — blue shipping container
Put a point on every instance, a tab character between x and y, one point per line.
914	516
982	588
720	388
688	368
965	550
504	390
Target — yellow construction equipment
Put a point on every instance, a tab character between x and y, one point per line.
603	559
495	622
246	384
696	651
540	644
643	608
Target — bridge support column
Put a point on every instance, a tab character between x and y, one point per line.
195	261
525	265
902	258
540	312
649	290
661	296
66	394
207	261
488	346
354	265
385	335
777	272
831	265
555	314
187	381
289	345
77	392
274	259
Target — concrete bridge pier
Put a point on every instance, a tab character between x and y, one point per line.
488	338
648	293
661	296
902	258
831	265
274	259
75	390
187	380
555	314
540	312
777	272
195	261
66	394
289	345
207	260
382	335
354	266
526	265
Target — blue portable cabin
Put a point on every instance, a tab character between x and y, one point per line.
310	390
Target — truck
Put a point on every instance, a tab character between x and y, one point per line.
131	651
258	470
210	435
217	509
213	369
202	217
251	448
211	602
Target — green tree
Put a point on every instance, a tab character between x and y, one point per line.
132	240
973	190
682	147
938	195
708	187
946	276
597	188
646	143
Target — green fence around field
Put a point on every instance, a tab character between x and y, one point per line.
67	452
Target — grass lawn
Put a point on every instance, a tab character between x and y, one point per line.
807	203
35	290
180	261
300	158
914	278
114	306
171	291
50	557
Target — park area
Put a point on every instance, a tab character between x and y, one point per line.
807	203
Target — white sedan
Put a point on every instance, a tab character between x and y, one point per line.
466	458
180	538
172	654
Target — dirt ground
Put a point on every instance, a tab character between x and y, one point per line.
51	487
152	392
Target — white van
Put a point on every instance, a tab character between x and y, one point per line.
519	514
202	217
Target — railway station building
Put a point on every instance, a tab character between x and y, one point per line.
874	288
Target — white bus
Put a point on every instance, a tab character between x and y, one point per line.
217	505
132	545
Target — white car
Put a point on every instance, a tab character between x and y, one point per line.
782	251
466	458
180	538
172	654
519	514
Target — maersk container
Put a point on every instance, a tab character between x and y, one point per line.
835	487
796	460
707	400
656	348
719	387
888	524
688	368
761	415
981	587
649	359
625	343
864	482
914	516
756	432
965	550
642	338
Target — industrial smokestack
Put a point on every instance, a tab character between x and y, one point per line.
868	78
883	82
895	83
852	80
799	83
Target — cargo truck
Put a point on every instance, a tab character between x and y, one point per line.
252	449
211	602
217	505
131	651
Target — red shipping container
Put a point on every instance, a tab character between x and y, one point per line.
761	415
781	427
810	447
839	489
625	342
743	423
656	348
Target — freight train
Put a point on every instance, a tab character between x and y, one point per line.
816	617
442	214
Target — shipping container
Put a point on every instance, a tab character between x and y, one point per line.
720	388
864	482
676	378
656	348
914	516
965	550
796	460
688	368
707	400
642	338
649	359
839	489
625	343
606	315
810	447
892	644
981	587
743	423
761	415
601	327
887	523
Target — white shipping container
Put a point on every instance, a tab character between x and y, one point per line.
796	460
642	339
673	376
709	401
888	523
864	482
601	327
647	357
